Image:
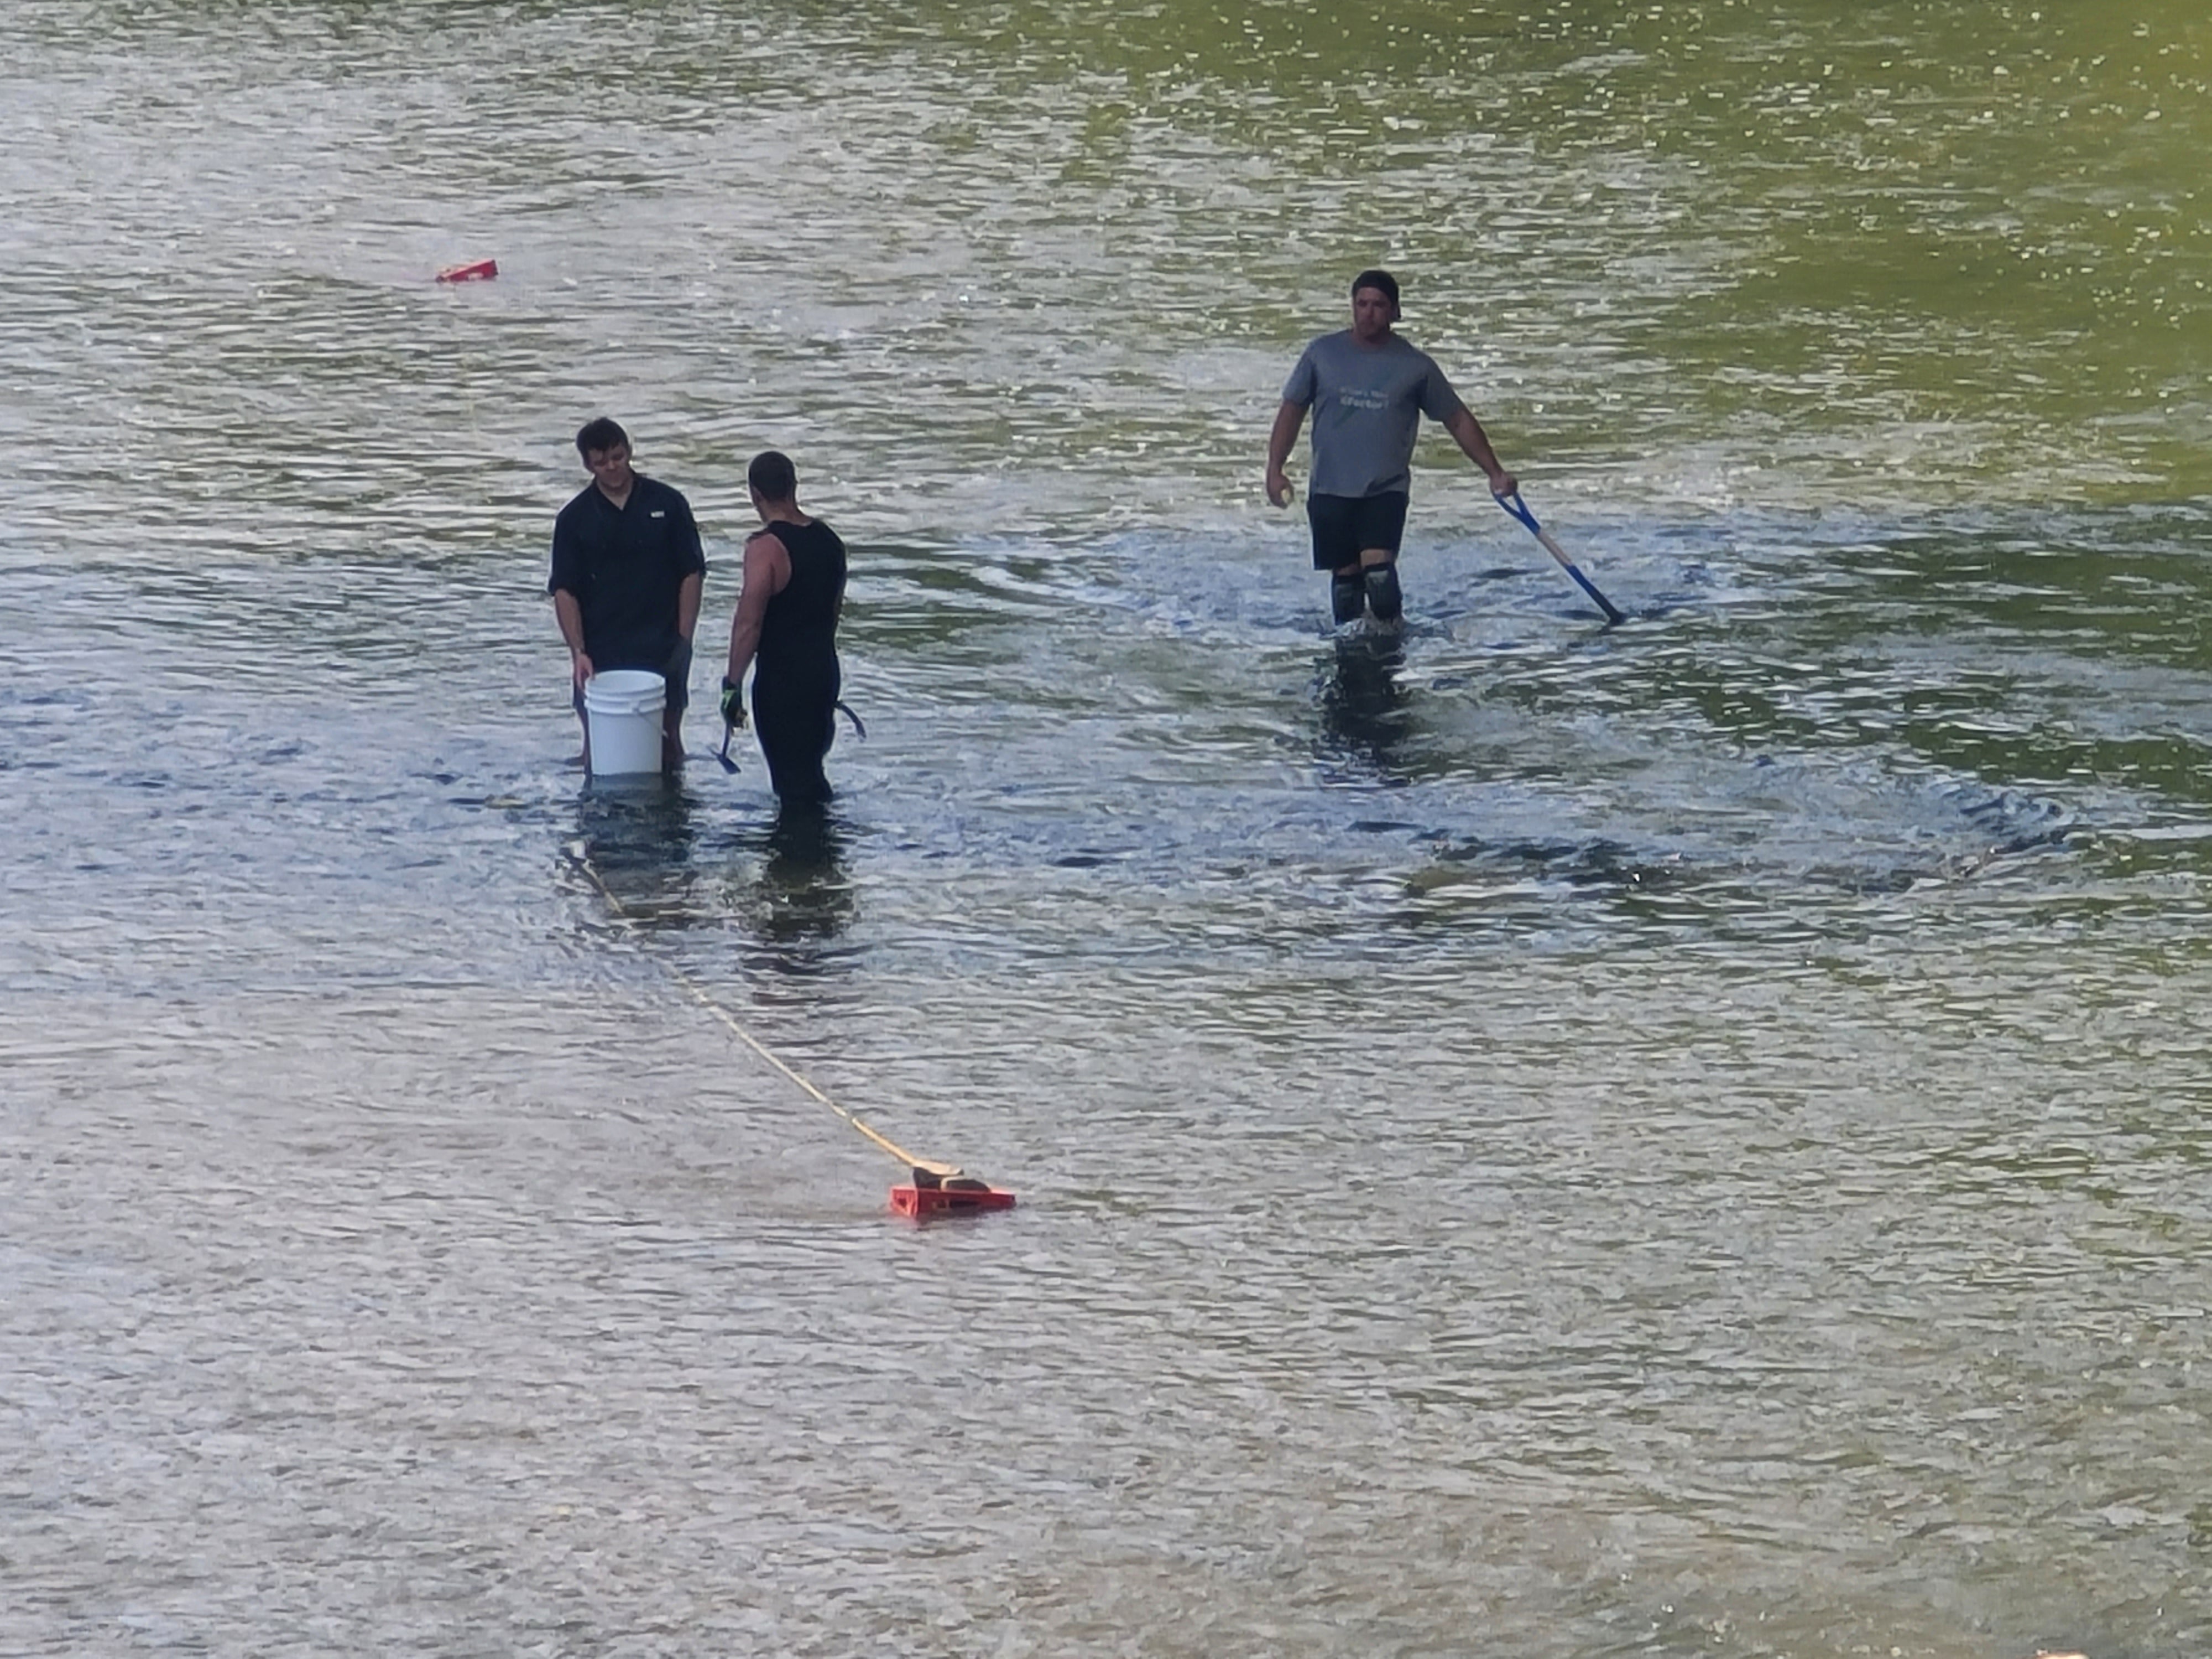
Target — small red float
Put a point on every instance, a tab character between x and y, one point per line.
948	1195
475	270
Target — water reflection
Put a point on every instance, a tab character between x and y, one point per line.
638	842
637	835
1365	712
801	895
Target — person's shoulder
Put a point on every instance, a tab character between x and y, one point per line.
655	489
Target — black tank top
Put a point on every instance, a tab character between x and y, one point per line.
799	634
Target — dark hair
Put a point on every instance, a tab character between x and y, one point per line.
1381	279
773	476
600	434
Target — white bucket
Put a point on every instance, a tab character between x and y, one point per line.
623	710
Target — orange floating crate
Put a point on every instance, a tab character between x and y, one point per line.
475	270
922	1202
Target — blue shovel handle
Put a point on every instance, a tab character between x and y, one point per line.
1512	503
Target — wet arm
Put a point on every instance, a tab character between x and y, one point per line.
570	615
752	606
1288	419
1467	431
687	604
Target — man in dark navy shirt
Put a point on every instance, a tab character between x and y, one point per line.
627	573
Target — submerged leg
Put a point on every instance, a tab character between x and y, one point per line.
1384	598
794	741
1346	597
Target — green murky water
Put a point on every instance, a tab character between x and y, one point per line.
1681	1138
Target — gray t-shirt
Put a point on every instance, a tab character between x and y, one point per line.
1367	404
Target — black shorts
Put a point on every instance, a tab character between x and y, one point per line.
1344	526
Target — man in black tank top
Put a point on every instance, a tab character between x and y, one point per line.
786	630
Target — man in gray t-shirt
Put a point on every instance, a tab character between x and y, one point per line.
1368	390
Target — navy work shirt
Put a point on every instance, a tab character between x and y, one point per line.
626	566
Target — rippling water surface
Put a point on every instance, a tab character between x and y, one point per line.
1683	1138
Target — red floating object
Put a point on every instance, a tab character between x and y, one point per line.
477	270
921	1202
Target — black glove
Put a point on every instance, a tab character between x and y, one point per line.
734	703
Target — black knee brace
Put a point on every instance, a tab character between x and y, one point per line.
1383	597
1346	597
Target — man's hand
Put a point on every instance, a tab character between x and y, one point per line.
734	703
580	669
1279	488
1503	483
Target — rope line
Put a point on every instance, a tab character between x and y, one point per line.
699	994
